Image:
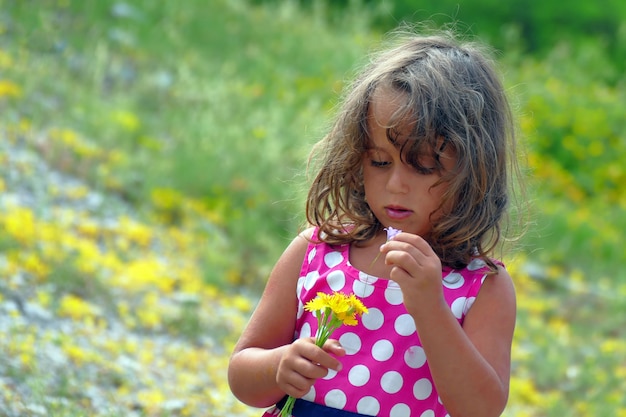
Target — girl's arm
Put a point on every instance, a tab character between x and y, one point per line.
470	365
265	364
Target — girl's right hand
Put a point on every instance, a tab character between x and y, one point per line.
303	363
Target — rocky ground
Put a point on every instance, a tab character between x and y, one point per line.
102	312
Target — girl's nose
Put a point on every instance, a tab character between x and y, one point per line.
397	182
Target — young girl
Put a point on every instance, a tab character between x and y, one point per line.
422	143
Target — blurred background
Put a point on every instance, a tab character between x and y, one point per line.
153	167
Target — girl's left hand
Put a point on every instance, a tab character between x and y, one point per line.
416	268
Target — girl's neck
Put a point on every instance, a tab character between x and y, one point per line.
365	256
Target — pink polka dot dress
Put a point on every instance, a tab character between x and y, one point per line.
385	371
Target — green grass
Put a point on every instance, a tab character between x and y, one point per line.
193	96
218	104
209	109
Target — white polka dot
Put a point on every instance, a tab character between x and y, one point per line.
415	357
310	396
359	375
330	375
367	278
428	413
362	290
391	382
400	410
404	325
392	284
468	304
382	350
393	294
476	264
332	259
300	310
453	280
299	285
368	406
457	307
422	389
312	254
362	287
336	280
350	342
310	279
335	398
305	331
374	319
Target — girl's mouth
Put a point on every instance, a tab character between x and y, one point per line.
398	213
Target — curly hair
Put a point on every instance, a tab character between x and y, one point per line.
454	93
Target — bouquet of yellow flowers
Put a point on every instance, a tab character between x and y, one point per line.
332	311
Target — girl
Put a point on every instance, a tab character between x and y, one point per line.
422	143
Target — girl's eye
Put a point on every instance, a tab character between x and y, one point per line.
424	170
379	164
425	165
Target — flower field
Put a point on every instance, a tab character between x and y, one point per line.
152	161
102	313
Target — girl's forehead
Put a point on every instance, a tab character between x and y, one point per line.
386	105
388	110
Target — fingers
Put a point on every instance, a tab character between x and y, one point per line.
333	346
304	362
411	256
409	243
416	268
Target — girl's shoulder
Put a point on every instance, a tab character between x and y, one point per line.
291	259
478	266
496	280
309	233
316	237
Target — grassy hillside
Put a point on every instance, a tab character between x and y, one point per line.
153	166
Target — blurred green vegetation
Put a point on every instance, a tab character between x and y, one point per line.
540	25
215	105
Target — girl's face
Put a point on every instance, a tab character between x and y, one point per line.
400	195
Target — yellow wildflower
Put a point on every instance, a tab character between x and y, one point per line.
126	120
9	89
343	308
20	223
76	308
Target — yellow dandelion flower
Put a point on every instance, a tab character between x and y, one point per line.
166	198
319	303
76	308
34	264
9	89
21	224
342	307
151	399
126	120
136	232
242	304
358	306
